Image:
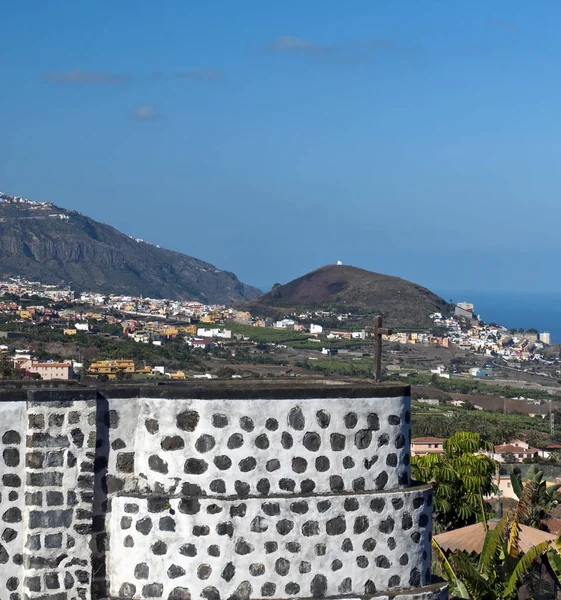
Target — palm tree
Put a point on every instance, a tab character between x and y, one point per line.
542	500
501	567
461	478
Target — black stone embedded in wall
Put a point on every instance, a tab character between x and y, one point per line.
59	491
149	498
259	490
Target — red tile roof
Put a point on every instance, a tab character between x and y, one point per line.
510	449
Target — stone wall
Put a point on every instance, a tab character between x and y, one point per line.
46	498
283	493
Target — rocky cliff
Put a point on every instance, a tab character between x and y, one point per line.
42	242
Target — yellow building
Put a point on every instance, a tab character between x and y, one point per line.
177	375
169	332
24	314
189	329
70	331
111	367
242	314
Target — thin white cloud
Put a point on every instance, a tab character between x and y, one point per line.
146	112
338	53
79	77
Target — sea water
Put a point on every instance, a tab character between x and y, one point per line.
538	310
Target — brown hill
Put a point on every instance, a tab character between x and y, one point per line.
342	287
42	242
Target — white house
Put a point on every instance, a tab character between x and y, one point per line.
214	333
517	450
82	326
359	335
316	328
285	324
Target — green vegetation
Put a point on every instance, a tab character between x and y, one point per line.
265	335
337	367
174	355
495	427
7	370
473	386
541	500
551	469
26	300
324	343
460	479
501	568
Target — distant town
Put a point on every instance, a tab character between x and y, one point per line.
52	316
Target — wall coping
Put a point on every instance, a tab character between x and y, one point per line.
201	390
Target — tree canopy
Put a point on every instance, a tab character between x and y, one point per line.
460	477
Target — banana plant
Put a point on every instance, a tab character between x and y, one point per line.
543	500
501	567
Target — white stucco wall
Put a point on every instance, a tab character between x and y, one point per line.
282	497
284	547
372	435
13	417
221	499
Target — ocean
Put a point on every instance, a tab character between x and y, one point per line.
540	310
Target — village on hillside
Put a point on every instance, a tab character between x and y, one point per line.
28	307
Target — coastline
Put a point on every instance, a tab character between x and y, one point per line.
515	309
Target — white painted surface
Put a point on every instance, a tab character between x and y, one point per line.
257	528
133	414
13	418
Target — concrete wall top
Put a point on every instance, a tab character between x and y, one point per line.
218	389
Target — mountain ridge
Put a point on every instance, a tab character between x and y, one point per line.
41	241
344	287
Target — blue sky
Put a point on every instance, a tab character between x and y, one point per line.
418	139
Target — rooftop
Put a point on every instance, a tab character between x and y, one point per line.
471	538
510	449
